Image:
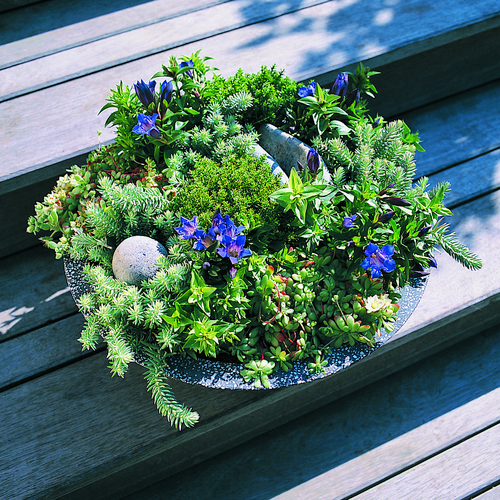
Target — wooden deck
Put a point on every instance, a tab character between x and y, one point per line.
419	419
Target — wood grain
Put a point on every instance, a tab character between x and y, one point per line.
457	129
286	39
37	352
81	417
34	292
337	450
135	43
459	472
55	25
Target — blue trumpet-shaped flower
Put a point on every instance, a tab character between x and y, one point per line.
386	217
313	161
307	91
205	240
166	94
348	221
340	85
145	92
233	248
190	64
189	229
146	126
378	260
398	202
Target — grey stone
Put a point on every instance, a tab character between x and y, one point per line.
136	259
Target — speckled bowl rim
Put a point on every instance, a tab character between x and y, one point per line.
226	375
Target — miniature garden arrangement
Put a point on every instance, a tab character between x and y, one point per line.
191	245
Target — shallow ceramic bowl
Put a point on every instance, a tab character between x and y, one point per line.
225	375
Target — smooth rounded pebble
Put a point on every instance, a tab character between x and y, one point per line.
136	259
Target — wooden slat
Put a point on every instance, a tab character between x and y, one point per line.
55	25
457	129
445	315
81	417
285	40
491	494
37	352
359	440
458	472
473	178
136	43
34	292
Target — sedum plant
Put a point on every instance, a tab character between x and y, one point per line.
255	272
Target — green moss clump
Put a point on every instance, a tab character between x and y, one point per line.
238	186
272	92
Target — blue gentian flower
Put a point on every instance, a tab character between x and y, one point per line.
232	272
348	221
205	240
307	91
233	248
189	63
189	229
229	229
313	161
433	262
398	202
145	92
383	191
378	260
166	94
386	217
340	85
146	126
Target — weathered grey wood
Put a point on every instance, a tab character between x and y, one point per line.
457	128
491	494
34	353
135	43
416	79
53	26
354	442
135	18
459	472
81	417
34	292
473	178
6	5
439	321
262	43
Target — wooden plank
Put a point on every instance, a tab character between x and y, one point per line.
344	447
446	315
81	417
491	494
34	292
459	472
42	350
132	44
263	43
457	129
6	5
471	179
56	25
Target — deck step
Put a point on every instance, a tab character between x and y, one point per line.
139	446
429	431
426	51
